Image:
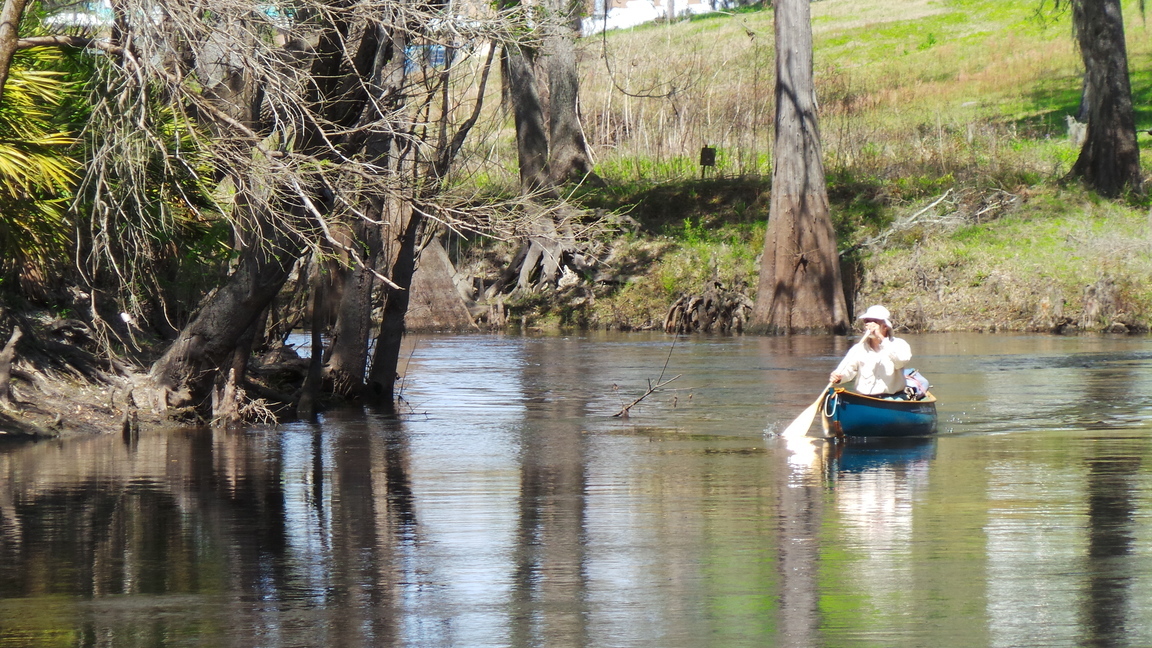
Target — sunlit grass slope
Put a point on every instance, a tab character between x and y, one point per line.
907	87
917	98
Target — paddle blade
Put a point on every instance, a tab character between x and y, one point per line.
799	427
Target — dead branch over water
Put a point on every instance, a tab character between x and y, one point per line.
652	388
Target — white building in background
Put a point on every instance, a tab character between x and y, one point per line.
94	15
90	16
621	14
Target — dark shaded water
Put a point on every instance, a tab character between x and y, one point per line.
509	508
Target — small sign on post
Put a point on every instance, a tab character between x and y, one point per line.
707	158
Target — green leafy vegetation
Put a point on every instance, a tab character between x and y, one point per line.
917	99
36	172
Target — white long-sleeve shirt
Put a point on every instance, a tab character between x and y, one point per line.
879	371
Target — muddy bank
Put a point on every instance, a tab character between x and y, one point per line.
945	299
59	387
53	384
1057	265
60	407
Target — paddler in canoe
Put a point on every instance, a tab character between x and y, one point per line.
877	361
886	402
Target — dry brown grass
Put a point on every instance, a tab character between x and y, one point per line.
892	78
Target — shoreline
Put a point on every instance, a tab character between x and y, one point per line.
58	408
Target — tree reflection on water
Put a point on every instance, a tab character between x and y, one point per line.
518	512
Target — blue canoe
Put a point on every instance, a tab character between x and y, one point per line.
845	413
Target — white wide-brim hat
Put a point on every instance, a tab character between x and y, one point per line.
877	313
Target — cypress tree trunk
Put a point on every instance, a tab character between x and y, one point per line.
568	158
800	285
203	360
528	112
1109	161
347	362
188	371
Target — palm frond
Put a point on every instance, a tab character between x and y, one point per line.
36	173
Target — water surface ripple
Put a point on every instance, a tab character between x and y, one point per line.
509	507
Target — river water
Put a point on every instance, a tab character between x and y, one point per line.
509	507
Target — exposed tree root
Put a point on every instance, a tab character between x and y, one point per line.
6	368
716	311
51	385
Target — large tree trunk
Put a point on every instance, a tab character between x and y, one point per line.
1109	161
347	362
188	372
800	286
568	158
200	364
403	225
436	304
528	112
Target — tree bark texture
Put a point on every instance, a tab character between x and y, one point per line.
348	354
10	17
435	304
401	230
195	368
347	362
800	286
386	358
1109	160
6	358
568	158
308	405
187	372
528	112
359	110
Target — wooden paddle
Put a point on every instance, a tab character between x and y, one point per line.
799	427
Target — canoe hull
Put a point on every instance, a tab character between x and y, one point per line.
845	413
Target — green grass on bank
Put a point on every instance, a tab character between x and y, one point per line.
917	98
973	88
1062	259
1043	258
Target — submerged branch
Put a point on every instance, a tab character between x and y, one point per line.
652	389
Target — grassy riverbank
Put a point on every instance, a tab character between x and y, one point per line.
946	134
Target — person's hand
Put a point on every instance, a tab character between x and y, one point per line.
835	378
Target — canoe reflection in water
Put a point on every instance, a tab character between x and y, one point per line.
858	454
827	458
